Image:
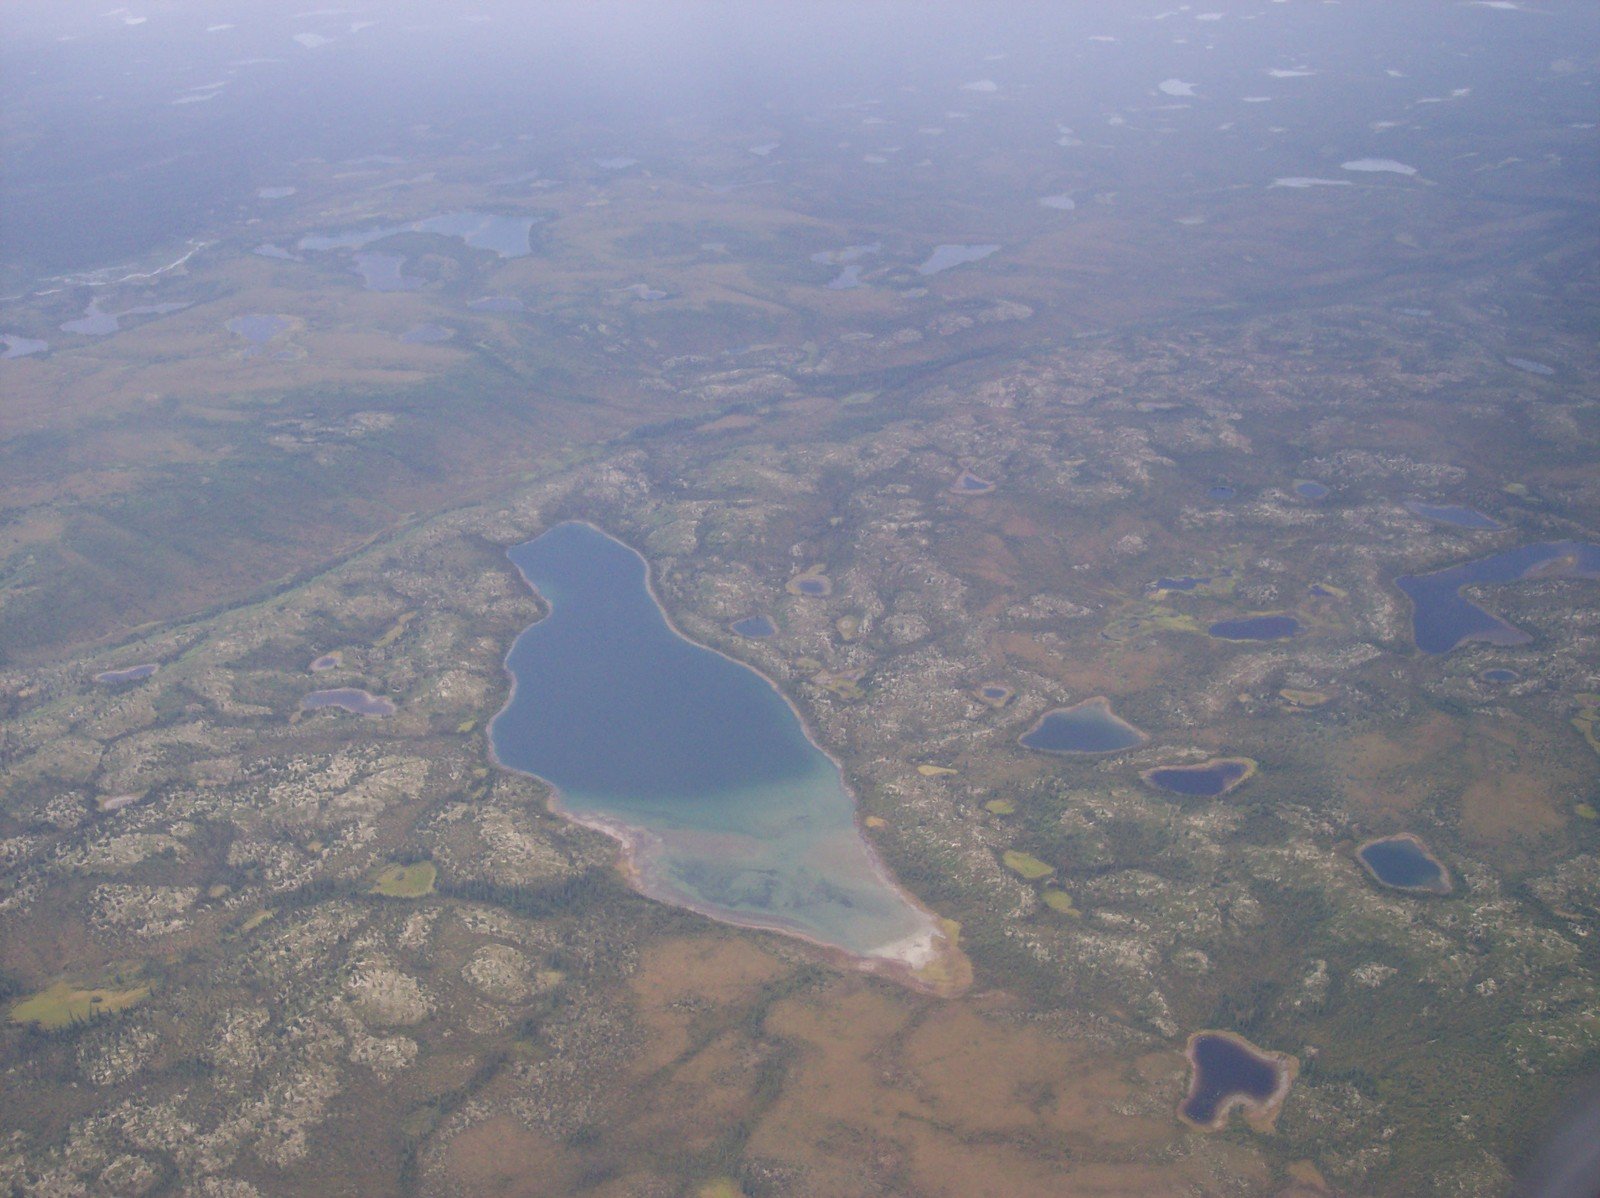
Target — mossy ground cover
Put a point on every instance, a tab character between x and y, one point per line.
406	881
1026	865
64	1004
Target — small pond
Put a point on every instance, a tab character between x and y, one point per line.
946	257
128	673
1227	1071
756	627
1404	862
351	699
1255	628
1087	727
1206	780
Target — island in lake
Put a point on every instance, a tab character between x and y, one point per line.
697	764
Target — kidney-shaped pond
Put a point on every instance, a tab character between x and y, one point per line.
1088	727
694	761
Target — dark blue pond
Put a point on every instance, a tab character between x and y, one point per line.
1224	1071
1442	618
1499	674
1206	780
1404	863
1089	727
1454	515
1221	493
755	627
693	760
1255	628
1307	489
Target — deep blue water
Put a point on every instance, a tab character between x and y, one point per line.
1090	727
1201	781
1397	861
756	627
1223	1068
692	758
1255	628
1442	618
1307	489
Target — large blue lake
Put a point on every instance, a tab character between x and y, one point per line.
1443	618
693	760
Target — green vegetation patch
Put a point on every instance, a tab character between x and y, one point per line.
406	881
1305	699
1000	807
1587	721
1026	865
1060	900
395	632
63	1004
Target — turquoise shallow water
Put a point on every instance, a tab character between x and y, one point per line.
694	760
